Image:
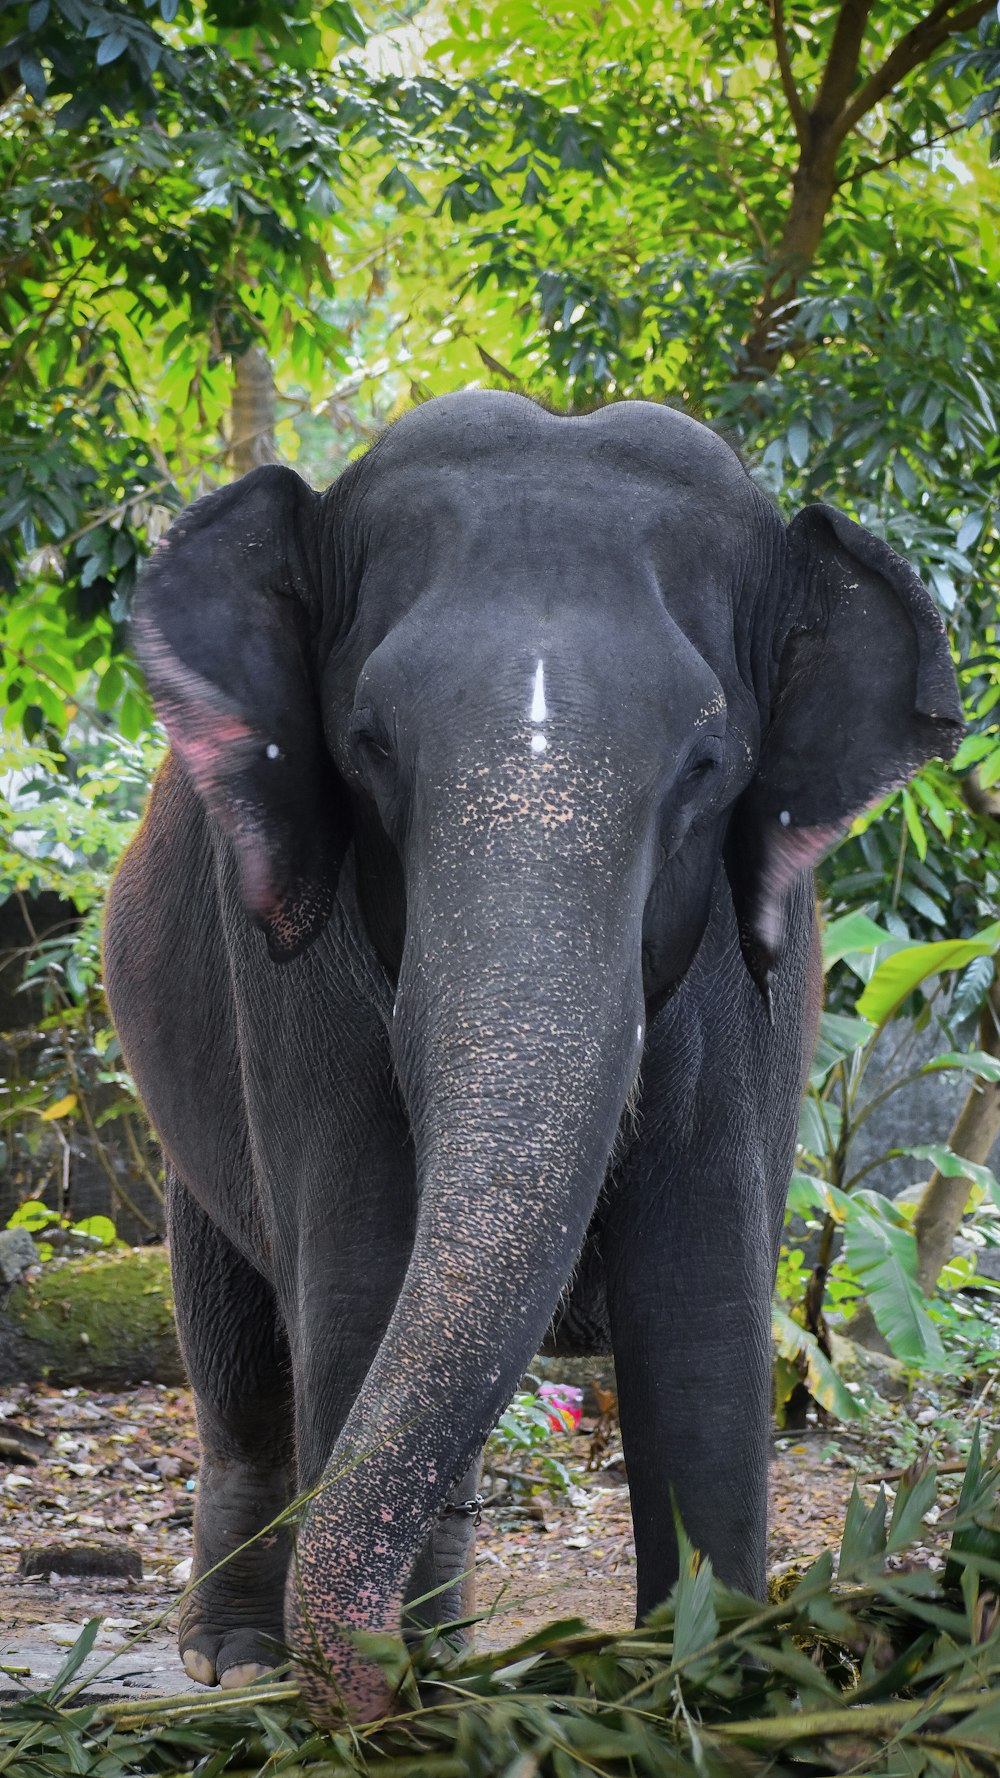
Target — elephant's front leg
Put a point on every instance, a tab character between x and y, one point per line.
691	1330
689	1245
231	1625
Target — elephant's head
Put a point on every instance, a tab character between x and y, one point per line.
552	676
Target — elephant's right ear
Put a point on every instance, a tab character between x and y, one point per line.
222	627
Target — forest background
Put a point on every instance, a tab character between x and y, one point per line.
234	230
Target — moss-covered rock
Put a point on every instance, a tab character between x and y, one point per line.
105	1320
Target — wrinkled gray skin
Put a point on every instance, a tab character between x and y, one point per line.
466	963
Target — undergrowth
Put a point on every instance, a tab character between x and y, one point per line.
874	1663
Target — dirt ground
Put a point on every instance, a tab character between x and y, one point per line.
120	1470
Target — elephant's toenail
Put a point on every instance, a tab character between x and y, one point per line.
198	1667
246	1673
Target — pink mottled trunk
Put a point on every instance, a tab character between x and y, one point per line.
517	1035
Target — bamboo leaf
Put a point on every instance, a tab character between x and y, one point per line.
695	1620
864	1535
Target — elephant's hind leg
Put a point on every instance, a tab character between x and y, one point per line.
237	1359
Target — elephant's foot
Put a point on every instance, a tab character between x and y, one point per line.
229	1640
231	1622
230	1658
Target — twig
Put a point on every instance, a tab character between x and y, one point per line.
896	1475
791	91
140	1159
912	147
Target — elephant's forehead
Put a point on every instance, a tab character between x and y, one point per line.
543	510
480	427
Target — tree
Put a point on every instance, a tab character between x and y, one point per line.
783	218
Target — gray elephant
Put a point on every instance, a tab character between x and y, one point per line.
467	963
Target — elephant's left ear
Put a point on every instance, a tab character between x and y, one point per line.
865	693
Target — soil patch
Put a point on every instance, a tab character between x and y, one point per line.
120	1470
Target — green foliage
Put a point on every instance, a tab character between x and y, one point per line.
524	1430
878	1261
175	178
67	811
42	1223
891	1668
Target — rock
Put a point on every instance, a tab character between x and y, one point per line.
18	1254
104	1321
873	1370
81	1561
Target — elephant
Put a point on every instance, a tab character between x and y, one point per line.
466	961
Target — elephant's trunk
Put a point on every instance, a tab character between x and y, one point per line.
518	1033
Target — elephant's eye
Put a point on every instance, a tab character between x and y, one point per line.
369	740
703	761
372	744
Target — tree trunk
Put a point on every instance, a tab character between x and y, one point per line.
842	98
105	1322
252	415
942	1204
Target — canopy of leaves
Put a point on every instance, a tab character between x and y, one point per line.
784	218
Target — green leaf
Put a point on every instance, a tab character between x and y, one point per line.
32	1214
839	1036
972	989
819	1125
897	976
344	19
798	443
695	1620
33	75
110	48
955	1166
969	530
74	1660
852	932
974	1533
881	1251
914	1500
110	688
914	825
978	1062
807	1193
99	1228
864	1540
794	1342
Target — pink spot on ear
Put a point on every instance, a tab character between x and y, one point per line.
203	739
788	852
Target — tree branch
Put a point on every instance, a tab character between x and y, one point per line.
916	46
791	91
841	64
911	148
